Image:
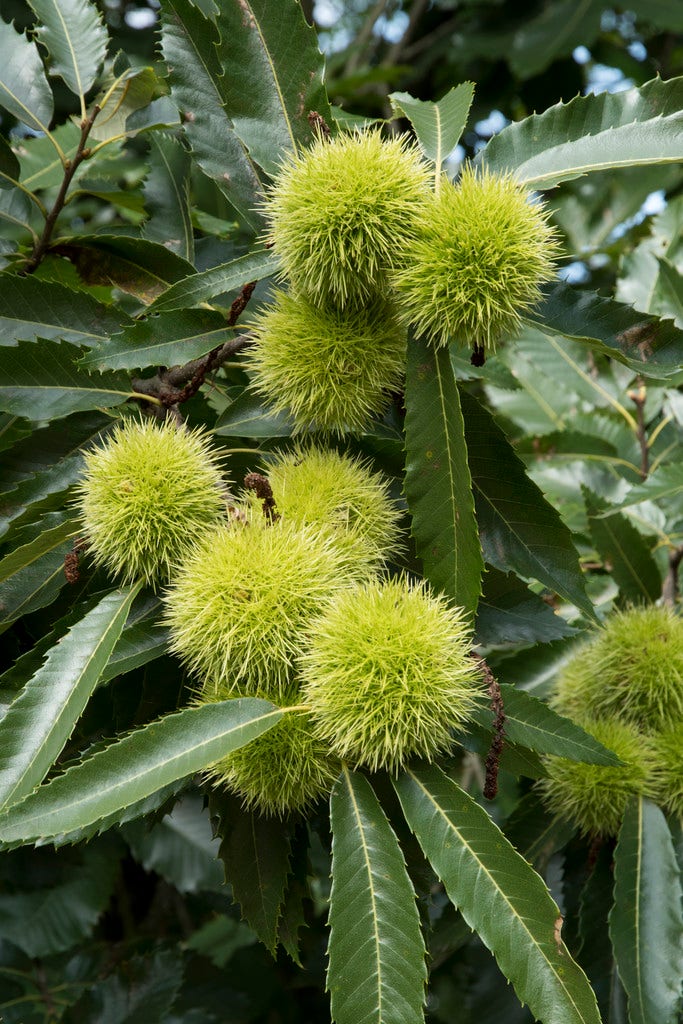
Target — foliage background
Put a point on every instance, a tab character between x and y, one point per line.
137	924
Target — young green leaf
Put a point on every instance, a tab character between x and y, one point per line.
499	895
377	967
646	921
591	133
41	719
135	767
531	723
75	38
166	193
277	81
437	482
228	277
43	381
438	126
519	529
189	41
625	550
24	89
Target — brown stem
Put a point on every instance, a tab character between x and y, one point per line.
638	398
260	485
670	588
70	167
176	385
496	749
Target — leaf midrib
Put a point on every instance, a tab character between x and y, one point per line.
501	893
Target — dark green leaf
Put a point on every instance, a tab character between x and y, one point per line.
437	481
647	344
163	339
256	856
519	529
15	208
376	951
438	126
140	990
595	953
591	133
135	767
9	166
75	39
198	85
180	847
135	265
227	277
535	670
273	77
646	921
137	645
248	417
531	723
664	482
671	290
624	551
24	90
43	381
499	895
32	575
509	614
166	195
31	309
40	493
41	719
49	919
536	836
218	940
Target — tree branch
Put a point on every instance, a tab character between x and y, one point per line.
171	387
70	167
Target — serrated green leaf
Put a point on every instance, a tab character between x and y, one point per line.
646	921
255	851
277	80
164	339
41	719
136	265
75	39
665	482
32	309
438	126
15	208
247	416
167	197
218	940
651	346
180	847
509	614
638	283
24	89
32	574
591	133
532	724
189	41
40	493
376	950
138	645
135	767
595	953
43	381
9	166
499	895
624	550
519	529
228	277
437	482
671	291
139	990
122	99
